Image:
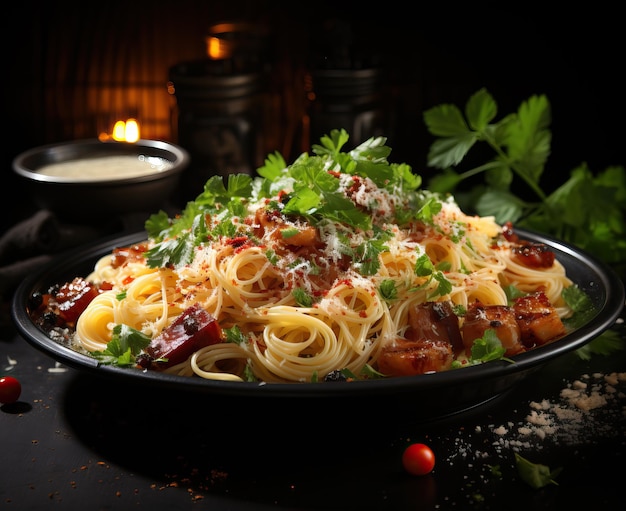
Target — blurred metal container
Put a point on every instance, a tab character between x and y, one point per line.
218	121
219	104
352	99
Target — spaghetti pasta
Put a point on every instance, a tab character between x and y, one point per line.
309	269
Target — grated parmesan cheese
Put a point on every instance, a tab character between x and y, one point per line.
579	410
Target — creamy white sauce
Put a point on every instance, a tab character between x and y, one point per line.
107	167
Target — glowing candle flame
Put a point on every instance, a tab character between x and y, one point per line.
131	133
124	131
118	130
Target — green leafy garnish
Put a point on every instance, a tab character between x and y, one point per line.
605	344
125	344
423	266
303	299
367	373
535	474
484	349
520	143
581	305
388	290
444	286
366	254
235	335
289	233
496	471
178	237
513	292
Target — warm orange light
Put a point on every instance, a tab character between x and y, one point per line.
131	133
118	130
218	48
126	131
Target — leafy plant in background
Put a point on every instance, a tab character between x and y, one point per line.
587	210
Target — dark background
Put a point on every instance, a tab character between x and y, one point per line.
59	52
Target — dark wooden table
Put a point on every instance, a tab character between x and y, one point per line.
77	441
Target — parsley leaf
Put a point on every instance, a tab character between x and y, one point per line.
520	143
444	286
487	348
235	335
581	305
273	168
125	344
387	290
317	194
177	238
605	344
303	299
423	266
484	349
535	474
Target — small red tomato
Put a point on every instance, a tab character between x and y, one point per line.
418	459
10	389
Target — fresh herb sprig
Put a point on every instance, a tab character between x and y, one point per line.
536	475
587	210
484	349
123	348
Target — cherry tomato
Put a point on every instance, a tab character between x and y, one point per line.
418	459
10	389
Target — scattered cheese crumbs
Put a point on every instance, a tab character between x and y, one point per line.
578	410
614	378
501	431
12	363
58	368
539	419
578	416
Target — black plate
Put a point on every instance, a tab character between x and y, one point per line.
438	394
